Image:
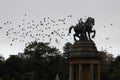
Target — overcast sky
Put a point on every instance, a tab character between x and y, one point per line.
105	12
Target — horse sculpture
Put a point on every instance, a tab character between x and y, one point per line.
83	28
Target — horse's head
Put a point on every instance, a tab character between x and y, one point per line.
90	22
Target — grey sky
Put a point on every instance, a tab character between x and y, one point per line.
105	12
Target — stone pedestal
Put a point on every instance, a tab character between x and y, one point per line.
84	61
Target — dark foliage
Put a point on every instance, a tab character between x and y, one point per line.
41	62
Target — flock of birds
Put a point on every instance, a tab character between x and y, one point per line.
107	39
46	30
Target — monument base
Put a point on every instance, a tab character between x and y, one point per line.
84	61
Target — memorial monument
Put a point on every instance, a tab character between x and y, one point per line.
84	60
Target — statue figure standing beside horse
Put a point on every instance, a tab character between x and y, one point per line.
83	29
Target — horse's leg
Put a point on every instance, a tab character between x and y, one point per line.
74	37
89	35
94	33
78	36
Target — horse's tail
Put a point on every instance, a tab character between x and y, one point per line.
70	29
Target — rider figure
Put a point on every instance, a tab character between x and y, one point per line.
82	24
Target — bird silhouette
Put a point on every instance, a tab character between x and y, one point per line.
107	38
111	24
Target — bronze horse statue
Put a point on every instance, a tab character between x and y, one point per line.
83	28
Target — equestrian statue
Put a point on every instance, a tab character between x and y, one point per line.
83	29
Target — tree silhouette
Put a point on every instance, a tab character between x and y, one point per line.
67	49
